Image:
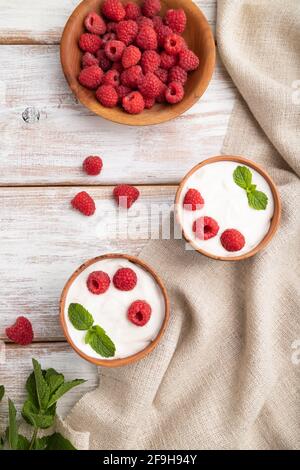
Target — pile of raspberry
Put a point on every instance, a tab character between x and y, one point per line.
133	57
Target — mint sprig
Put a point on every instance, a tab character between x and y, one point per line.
80	318
242	176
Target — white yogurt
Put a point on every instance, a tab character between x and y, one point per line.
109	310
227	203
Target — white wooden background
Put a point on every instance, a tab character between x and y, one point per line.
41	239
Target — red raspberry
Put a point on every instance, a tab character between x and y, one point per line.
84	203
157	22
95	24
133	103
150	61
125	279
205	228
193	201
21	332
161	98
104	61
118	67
90	77
125	195
151	8
176	19
174	92
144	21
108	37
114	50
132	11
232	240
149	103
88	59
150	86
163	32
112	77
188	60
122	91
131	77
127	31
111	27
139	312
177	74
98	282
162	74
147	38
131	56
167	61
173	44
107	96
92	165
89	43
113	10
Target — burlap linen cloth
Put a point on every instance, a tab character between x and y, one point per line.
223	376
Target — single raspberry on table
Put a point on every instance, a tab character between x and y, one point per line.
127	31
149	103
125	279
112	77
144	21
92	165
91	77
176	20
131	56
205	228
95	23
173	44
167	61
88	59
84	203
122	91
147	38
108	37
232	240
107	96
125	195
131	77
133	103
98	282
132	11
89	42
162	32
162	74
21	332
114	50
139	312
150	61
151	8
193	201
113	10
174	92
150	86
104	61
188	60
177	74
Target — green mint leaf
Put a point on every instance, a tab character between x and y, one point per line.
100	342
31	390
12	432
23	443
41	443
54	380
57	442
42	388
37	418
242	176
251	188
2	392
80	318
257	200
64	388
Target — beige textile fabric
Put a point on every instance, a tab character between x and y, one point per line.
224	376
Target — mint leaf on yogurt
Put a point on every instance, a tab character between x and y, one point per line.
242	176
257	200
100	342
80	318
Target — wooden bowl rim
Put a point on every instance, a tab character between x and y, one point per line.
275	219
137	356
115	114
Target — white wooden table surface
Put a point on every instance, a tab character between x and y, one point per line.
42	239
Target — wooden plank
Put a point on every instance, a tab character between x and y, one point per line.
36	22
43	240
15	367
51	150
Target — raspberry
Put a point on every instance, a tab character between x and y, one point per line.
107	96
127	31
131	56
113	10
150	86
104	61
193	201
111	27
177	74
84	203
157	22
88	59
162	74
122	91
131	77
174	92
108	37
112	77
133	103
95	24
114	50
125	195
92	165
125	279
147	38
132	11
205	228
89	42
139	312
149	103
90	77
21	332
150	61
176	19
167	61
118	67
173	44
151	8
188	60
161	98
232	240
144	21
98	282
163	31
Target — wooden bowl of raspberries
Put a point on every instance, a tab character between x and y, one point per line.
138	62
